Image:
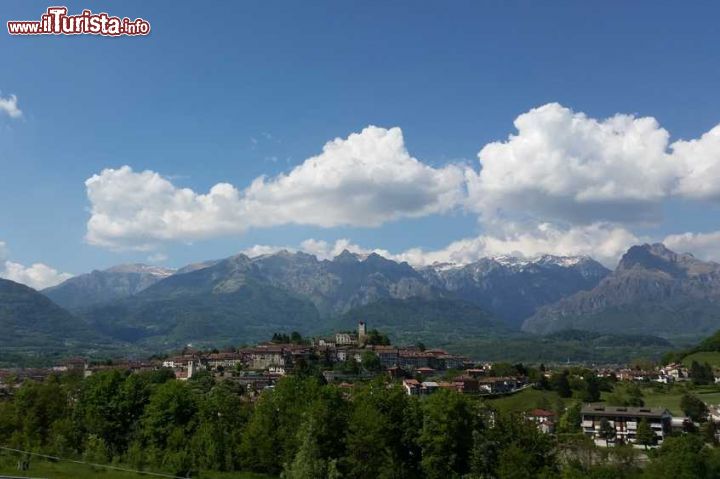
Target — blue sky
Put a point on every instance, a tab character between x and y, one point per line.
243	89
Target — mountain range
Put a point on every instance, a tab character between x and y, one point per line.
511	288
108	285
653	291
247	298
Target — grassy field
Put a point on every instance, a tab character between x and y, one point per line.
527	399
710	357
670	397
40	468
667	397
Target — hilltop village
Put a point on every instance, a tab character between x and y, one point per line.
351	357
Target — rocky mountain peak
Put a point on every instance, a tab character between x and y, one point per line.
141	268
347	257
656	257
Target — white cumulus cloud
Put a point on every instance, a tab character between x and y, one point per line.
700	166
565	166
9	106
703	245
604	242
36	276
562	183
366	179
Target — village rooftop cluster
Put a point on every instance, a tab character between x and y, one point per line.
351	356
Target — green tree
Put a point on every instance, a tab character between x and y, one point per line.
367	442
494	450
375	337
607	431
560	383
370	361
591	391
681	457
484	454
693	407
270	438
446	438
709	432
571	419
309	462
645	435
701	374
382	433
514	463
222	416
169	415
37	407
634	395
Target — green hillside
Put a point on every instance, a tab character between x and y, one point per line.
30	321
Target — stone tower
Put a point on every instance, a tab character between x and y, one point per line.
362	332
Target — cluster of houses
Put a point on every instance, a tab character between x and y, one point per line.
467	383
422	371
278	359
260	366
668	374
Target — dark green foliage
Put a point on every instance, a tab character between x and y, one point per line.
682	457
446	436
645	435
693	407
370	361
292	338
513	448
701	374
382	435
222	417
709	432
375	337
271	438
591	390
306	429
571	419
559	382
